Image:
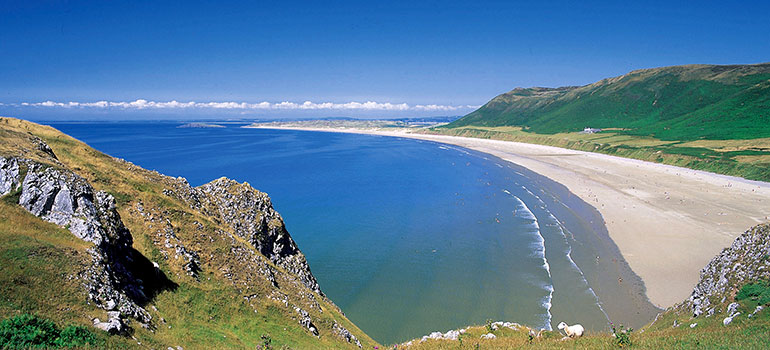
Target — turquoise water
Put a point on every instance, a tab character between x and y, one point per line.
406	236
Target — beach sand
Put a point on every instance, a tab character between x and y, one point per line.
668	222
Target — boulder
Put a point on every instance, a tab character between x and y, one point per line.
114	325
730	318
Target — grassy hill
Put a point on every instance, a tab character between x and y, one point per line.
671	103
705	117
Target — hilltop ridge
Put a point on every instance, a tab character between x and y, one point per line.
687	102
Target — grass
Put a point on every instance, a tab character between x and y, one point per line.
29	331
758	292
709	333
670	103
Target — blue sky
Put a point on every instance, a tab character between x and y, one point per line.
412	58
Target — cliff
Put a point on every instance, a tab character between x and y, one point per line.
747	260
166	263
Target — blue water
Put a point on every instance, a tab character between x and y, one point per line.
406	236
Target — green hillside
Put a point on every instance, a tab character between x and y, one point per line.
671	103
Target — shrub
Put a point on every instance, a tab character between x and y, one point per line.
30	331
758	291
27	331
76	336
266	342
622	336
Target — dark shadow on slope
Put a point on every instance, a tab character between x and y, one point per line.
153	280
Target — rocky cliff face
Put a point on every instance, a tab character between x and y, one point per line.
62	197
745	261
250	215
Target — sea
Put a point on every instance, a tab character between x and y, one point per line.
406	236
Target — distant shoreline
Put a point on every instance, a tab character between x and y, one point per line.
668	222
200	125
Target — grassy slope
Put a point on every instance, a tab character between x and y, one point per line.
670	103
713	118
709	333
36	257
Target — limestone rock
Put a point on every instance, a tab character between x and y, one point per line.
9	175
64	198
113	325
250	215
758	309
510	325
449	335
743	262
306	321
345	334
730	318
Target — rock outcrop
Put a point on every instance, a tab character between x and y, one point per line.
60	196
250	215
9	175
343	333
745	261
113	325
64	198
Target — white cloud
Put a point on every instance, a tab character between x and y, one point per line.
142	104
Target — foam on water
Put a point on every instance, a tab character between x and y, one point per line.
461	150
538	249
533	195
562	230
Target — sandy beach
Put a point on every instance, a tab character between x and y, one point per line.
667	221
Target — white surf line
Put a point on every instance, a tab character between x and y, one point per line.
533	195
547	301
453	147
562	229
